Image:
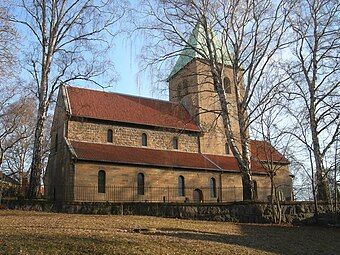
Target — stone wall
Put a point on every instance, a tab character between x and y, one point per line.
132	136
202	103
59	170
246	212
160	183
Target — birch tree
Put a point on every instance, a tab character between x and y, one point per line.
8	44
270	128
69	41
19	144
313	70
13	128
250	35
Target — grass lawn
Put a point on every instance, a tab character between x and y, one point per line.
52	233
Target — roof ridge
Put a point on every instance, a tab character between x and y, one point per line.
125	95
91	103
145	147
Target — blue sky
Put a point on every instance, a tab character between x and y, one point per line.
131	79
124	55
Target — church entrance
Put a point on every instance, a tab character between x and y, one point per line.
198	196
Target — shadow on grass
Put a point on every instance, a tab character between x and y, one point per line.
61	244
276	239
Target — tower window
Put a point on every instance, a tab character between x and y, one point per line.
56	142
180	92
227	85
109	136
212	187
101	181
181	186
185	88
144	140
140	184
175	143
227	149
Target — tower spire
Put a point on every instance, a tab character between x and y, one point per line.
196	48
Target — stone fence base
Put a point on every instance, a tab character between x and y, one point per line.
247	212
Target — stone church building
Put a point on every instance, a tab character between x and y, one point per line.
114	147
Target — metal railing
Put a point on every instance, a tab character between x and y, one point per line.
153	194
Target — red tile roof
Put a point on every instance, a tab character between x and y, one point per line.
151	157
128	109
264	151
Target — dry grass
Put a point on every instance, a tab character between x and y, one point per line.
48	233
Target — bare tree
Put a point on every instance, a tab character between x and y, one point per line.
8	43
13	123
69	42
313	69
18	154
273	151
243	36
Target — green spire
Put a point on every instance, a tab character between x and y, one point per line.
195	48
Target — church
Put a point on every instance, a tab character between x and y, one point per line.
120	148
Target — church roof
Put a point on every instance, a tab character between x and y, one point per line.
264	151
161	158
196	48
128	109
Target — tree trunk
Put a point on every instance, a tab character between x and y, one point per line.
322	189
36	166
247	185
1	155
272	194
243	158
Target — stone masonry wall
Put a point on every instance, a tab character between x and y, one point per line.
128	136
160	184
246	212
203	103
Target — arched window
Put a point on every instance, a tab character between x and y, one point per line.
140	184
255	190
175	143
212	187
180	92
56	142
101	181
181	186
185	88
227	85
227	149
144	140
109	136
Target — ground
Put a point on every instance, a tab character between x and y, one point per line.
51	233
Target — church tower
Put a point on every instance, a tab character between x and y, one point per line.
191	84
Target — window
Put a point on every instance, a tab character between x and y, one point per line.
255	190
175	143
144	140
212	187
101	181
140	184
227	149
181	186
185	88
56	142
227	85
180	92
109	136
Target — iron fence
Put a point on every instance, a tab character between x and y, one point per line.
154	194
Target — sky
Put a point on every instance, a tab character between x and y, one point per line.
124	54
131	79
